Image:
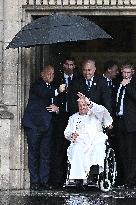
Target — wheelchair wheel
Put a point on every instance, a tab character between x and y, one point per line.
110	166
107	177
104	184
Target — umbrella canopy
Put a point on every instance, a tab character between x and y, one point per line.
57	28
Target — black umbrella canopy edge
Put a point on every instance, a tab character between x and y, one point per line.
25	32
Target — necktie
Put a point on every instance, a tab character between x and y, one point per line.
69	80
119	99
110	83
89	84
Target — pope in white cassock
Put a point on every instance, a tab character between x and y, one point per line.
85	132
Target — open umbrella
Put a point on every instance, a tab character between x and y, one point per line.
57	28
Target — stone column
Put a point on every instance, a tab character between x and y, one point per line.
5	138
12	91
1	45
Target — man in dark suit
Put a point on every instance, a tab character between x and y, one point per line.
111	72
59	153
91	85
126	127
37	122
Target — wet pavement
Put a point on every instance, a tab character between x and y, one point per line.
91	196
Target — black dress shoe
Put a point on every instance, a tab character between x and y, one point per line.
129	186
34	187
57	186
45	187
79	183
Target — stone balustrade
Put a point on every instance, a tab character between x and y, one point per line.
96	3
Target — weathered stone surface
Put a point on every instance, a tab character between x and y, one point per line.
120	2
133	2
99	2
1	52
1	10
86	2
113	2
31	2
5	125
45	2
10	94
11	10
10	30
126	2
38	2
15	179
1	31
27	179
4	113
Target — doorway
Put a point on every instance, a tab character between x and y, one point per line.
121	48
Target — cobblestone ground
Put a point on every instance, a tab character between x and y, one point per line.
92	196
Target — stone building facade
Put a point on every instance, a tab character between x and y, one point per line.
19	67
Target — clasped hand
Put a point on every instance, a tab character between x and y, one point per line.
53	108
62	88
74	136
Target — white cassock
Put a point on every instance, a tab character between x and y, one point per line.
89	147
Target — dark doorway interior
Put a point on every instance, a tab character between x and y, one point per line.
121	28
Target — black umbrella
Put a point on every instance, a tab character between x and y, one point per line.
57	28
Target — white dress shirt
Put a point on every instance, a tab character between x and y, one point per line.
121	106
66	78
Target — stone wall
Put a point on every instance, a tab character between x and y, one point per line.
12	148
15	67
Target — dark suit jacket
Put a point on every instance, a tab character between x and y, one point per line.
113	94
62	98
36	115
129	106
98	93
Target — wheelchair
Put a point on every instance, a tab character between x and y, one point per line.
104	180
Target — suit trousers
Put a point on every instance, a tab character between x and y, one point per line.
39	155
59	150
125	153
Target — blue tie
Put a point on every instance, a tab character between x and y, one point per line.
69	80
89	84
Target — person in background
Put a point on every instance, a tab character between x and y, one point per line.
91	85
37	121
111	75
126	127
60	144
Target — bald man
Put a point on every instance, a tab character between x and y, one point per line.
38	127
91	85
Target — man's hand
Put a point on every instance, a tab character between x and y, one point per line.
62	88
74	136
81	96
52	108
85	99
110	127
125	81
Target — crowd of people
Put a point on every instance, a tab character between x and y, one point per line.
54	98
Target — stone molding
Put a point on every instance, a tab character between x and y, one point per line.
4	113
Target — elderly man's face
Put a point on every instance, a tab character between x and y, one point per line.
48	75
68	67
89	70
83	107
